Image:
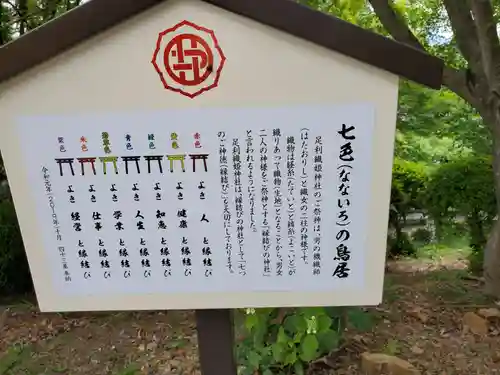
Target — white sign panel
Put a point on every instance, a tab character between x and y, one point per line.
202	200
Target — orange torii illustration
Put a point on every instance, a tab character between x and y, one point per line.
83	161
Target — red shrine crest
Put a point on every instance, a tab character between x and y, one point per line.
188	59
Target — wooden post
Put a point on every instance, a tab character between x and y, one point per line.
216	342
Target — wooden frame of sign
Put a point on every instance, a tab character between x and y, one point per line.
204	155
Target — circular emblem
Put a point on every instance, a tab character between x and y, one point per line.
188	59
190	66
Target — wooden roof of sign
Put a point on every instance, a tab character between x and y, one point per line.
89	19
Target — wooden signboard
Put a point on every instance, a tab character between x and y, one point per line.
203	155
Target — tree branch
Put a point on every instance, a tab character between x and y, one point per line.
459	13
456	81
13	6
468	84
49	10
394	23
487	36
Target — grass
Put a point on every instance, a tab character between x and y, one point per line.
439	251
14	357
132	369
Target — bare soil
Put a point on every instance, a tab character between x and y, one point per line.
421	321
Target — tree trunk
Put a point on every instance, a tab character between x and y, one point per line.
438	228
23	16
477	240
491	263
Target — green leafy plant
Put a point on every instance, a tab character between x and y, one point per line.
283	341
464	187
408	187
400	245
422	236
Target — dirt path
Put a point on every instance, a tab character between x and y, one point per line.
420	321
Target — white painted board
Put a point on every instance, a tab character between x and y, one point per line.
286	213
